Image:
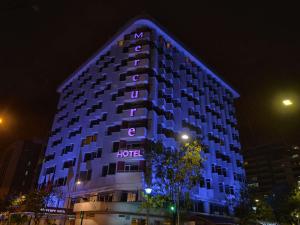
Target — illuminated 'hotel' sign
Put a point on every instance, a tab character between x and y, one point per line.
129	153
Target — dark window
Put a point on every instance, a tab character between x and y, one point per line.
115	146
49	157
104	171
112	168
69	163
50	170
221	187
208	184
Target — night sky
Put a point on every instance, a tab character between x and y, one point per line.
255	48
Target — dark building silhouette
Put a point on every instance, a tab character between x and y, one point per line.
20	164
272	168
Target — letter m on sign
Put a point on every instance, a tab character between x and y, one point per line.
140	35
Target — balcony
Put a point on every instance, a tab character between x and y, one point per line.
141	79
140	133
139	49
140	95
116	207
140	113
138	63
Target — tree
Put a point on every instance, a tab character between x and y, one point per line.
286	206
35	201
252	209
18	219
294	205
172	173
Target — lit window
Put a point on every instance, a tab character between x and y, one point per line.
120	43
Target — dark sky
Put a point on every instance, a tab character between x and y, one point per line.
255	48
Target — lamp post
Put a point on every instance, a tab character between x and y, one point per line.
297	216
184	137
148	192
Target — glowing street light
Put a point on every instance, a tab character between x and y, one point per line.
287	102
148	190
184	137
1	120
78	182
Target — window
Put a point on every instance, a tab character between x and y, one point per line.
121	43
131	167
92	155
105	197
69	163
49	157
231	190
74	133
221	187
208	184
112	168
88	140
227	190
61	181
104	171
50	170
128	197
67	149
213	168
85	175
99	153
115	146
224	172
198	206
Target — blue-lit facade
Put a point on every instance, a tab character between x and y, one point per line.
142	87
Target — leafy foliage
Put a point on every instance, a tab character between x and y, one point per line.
175	169
172	173
287	206
18	219
252	208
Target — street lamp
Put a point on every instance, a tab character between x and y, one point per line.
184	137
176	208
78	182
287	102
1	120
148	191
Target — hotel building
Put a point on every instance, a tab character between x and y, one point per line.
142	87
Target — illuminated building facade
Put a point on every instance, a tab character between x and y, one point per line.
141	87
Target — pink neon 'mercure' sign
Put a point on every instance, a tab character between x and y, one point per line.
137	48
140	35
129	153
134	94
131	132
135	77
